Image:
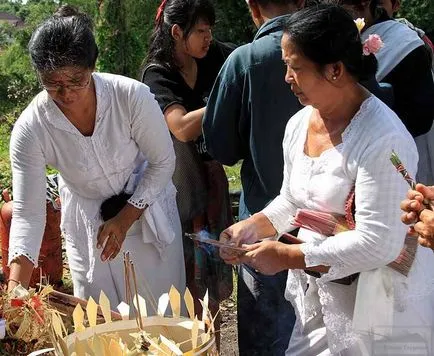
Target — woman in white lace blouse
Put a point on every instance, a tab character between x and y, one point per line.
341	140
107	136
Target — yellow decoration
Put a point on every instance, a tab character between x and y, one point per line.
124	310
163	302
104	303
91	311
360	23
205	310
194	332
175	301
188	298
115	349
142	305
78	318
175	349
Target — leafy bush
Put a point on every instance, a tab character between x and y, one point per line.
420	13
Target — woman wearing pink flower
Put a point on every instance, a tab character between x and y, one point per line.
406	64
353	304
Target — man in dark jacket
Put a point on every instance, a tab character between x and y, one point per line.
245	119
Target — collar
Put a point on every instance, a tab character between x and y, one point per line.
272	25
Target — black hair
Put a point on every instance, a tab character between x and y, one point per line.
265	3
374	6
184	13
326	34
65	39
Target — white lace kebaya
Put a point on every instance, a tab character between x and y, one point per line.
382	302
130	143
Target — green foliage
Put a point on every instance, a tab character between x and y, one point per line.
140	24
111	36
236	25
420	13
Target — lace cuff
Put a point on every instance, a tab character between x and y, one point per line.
138	203
313	257
16	252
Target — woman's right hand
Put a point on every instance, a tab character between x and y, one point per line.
417	215
243	232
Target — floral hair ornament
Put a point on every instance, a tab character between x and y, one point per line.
372	45
360	23
160	11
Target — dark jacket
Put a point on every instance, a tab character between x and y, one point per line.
247	112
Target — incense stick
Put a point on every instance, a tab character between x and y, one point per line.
137	295
408	178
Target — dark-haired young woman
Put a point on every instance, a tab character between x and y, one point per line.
182	64
340	142
107	137
406	63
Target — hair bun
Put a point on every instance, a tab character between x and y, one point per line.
67	11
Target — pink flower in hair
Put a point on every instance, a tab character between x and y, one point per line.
372	45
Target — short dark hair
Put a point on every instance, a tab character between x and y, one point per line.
65	39
265	3
326	34
184	13
374	6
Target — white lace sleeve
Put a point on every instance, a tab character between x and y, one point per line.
379	234
29	192
151	134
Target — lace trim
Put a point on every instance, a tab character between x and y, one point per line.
339	326
296	285
17	252
348	133
310	258
139	204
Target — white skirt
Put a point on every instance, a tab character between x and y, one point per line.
412	332
152	272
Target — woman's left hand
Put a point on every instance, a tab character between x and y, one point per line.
267	257
111	236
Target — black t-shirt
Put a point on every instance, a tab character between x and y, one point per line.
169	87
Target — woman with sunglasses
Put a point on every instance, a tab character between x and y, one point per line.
107	137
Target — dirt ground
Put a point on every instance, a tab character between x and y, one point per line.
229	337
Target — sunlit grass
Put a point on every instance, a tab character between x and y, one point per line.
233	174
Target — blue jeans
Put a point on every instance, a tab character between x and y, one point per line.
265	317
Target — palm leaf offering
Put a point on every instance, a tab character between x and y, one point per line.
144	335
27	315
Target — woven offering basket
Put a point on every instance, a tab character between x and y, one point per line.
158	334
178	330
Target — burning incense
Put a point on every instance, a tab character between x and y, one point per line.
401	169
411	182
